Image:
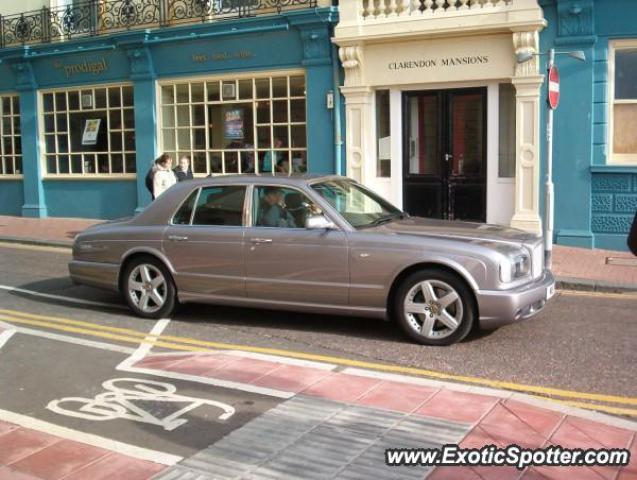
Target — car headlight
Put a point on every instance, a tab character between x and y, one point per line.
514	267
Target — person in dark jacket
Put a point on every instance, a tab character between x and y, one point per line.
183	171
632	236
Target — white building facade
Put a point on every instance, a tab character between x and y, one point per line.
440	118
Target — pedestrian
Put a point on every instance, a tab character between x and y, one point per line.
183	171
149	179
632	236
164	177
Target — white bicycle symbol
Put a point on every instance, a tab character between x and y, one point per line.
117	402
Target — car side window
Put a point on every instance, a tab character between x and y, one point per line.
220	205
274	206
183	215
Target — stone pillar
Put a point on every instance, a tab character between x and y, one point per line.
359	145
34	199
528	83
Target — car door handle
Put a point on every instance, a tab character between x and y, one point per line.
177	238
261	240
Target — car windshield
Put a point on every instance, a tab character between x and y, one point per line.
360	207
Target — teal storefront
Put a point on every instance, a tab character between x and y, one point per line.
87	105
595	155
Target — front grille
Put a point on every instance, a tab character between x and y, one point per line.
538	260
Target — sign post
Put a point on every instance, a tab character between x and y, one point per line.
549	207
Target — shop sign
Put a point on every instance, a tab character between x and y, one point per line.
439	62
221	56
94	67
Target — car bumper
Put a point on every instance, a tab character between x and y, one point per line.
94	274
506	306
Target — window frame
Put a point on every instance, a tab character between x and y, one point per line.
15	139
627	159
42	134
253	101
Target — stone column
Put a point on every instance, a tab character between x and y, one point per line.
528	83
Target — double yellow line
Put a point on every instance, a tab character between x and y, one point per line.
606	403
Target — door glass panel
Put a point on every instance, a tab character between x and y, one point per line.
467	137
423	136
221	205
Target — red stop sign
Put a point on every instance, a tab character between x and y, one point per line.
554	87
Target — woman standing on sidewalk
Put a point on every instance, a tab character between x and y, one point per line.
164	177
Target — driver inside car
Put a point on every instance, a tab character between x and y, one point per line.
273	211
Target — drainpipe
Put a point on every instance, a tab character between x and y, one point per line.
338	138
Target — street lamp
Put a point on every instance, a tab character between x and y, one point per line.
549	210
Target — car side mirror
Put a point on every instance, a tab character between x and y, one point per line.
319	222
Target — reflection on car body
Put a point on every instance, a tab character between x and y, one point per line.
322	244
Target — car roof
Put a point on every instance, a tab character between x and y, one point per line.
269	179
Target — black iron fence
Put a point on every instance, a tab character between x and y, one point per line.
97	17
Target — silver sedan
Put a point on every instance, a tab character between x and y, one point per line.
320	244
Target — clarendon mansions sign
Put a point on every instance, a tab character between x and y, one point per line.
458	59
442	62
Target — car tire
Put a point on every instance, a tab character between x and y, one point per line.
148	288
434	307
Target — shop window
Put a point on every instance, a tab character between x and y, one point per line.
11	141
623	118
89	131
383	135
246	125
506	150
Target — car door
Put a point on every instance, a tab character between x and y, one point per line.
204	242
285	262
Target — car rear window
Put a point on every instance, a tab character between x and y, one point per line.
183	215
221	205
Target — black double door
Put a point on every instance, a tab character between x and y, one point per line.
444	171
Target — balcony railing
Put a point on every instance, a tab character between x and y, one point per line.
97	17
377	9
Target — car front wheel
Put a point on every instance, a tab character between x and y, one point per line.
149	288
434	307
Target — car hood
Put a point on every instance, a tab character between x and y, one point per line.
431	227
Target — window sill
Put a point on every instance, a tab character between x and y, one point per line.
13	177
91	177
614	169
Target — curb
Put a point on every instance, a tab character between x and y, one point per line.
561	283
586	285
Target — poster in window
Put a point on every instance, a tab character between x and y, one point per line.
234	123
91	130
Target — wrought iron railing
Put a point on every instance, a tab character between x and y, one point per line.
96	17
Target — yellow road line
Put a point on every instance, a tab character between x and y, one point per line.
179	343
27	246
594	406
583	293
111	336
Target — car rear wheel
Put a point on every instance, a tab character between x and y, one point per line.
149	288
434	307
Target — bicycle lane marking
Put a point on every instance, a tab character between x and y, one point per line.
175	417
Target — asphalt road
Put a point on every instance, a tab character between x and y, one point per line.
579	342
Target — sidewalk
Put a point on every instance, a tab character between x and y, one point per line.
574	268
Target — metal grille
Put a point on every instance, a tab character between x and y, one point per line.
96	17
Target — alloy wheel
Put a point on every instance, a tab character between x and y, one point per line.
433	309
147	288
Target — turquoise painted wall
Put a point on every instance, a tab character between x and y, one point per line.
298	39
595	202
11	196
91	199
